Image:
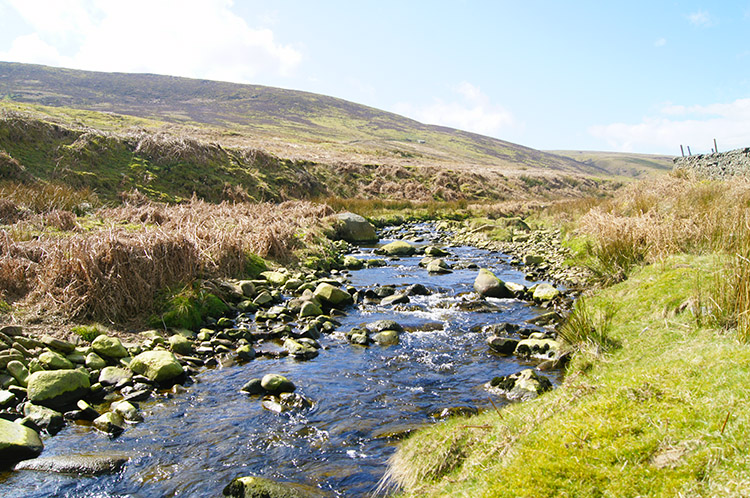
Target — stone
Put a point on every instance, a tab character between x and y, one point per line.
19	372
285	402
181	344
109	347
435	252
82	465
40	417
546	319
263	298
332	296
58	344
7	399
253	386
57	389
438	266
54	361
95	362
417	290
309	308
398	248
127	411
112	376
386	338
548	348
276	384
247	287
110	423
300	350
518	290
275	278
521	386
488	285
158	366
260	487
545	292
245	352
17	443
77	358
355	229
352	263
533	259
502	345
399	298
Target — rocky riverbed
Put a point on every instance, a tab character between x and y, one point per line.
310	377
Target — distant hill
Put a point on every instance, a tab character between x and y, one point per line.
172	136
621	164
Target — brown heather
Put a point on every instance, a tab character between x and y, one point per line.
115	271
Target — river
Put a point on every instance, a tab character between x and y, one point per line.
194	442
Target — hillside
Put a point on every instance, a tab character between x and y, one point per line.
620	163
292	124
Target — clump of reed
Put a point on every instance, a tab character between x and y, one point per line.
115	271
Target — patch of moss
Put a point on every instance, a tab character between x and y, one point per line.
254	265
187	308
88	332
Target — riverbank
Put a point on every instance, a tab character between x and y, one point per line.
653	402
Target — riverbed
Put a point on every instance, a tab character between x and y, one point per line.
194	441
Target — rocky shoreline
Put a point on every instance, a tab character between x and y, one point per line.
46	382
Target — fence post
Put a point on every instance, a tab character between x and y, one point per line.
689	153
682	151
716	148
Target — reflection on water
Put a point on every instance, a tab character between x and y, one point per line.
194	443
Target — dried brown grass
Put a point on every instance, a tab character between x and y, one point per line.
116	273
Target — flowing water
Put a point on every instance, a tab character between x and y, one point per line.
193	443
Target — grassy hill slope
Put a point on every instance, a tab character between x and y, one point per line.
621	163
292	124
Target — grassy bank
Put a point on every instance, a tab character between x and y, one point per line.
653	403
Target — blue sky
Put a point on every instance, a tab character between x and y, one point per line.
640	76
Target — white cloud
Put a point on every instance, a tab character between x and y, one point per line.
660	42
701	18
696	126
473	111
196	38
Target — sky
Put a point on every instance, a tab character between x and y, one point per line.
630	76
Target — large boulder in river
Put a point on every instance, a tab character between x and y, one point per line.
488	285
82	465
260	487
355	229
17	442
57	389
159	366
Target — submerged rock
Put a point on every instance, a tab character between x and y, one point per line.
85	465
17	443
275	384
260	487
110	423
386	338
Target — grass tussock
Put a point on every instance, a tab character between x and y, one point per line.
115	266
586	330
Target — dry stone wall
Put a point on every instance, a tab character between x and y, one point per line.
719	166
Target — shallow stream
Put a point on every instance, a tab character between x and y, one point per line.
194	442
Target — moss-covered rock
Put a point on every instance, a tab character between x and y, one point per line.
332	296
159	366
398	248
57	389
488	285
110	347
17	443
259	487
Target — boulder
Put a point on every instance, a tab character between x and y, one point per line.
54	361
381	325
181	344
398	298
488	285
84	465
95	362
386	338
109	347
275	384
355	229
110	423
275	278
253	386
245	352
438	266
40	417
309	308
57	389
260	487
17	443
58	344
435	252
398	248
127	411
533	259
112	376
158	366
521	386
300	350
19	372
545	292
332	296
502	345
352	263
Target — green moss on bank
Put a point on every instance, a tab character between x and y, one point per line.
663	415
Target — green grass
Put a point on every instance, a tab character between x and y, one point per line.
663	415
